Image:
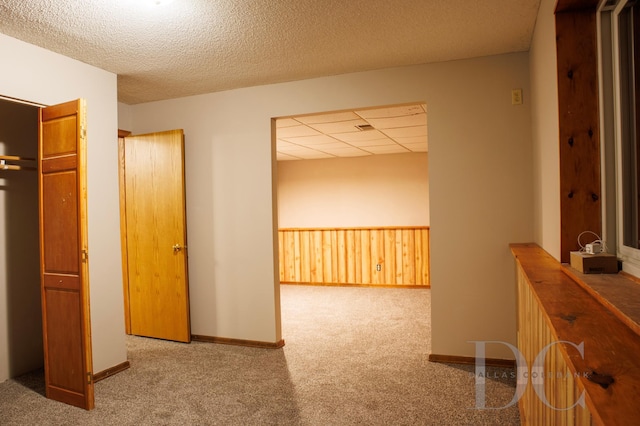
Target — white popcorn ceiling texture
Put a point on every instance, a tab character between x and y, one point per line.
188	47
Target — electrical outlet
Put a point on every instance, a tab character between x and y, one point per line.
516	97
378	267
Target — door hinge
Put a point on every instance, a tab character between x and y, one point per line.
85	255
83	132
89	377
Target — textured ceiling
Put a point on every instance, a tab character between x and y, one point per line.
187	47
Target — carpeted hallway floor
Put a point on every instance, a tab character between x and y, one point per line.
353	356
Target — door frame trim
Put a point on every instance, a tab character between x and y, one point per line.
123	228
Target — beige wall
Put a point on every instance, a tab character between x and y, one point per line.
124	117
480	190
545	130
377	190
38	75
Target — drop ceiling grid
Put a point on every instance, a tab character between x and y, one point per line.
397	129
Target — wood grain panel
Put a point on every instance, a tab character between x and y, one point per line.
352	255
560	388
156	236
408	256
64	344
390	256
305	257
579	122
64	268
60	221
554	308
63	134
357	238
350	249
326	261
365	253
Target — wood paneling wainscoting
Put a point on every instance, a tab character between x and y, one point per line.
392	256
557	316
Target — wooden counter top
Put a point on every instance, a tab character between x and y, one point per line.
611	345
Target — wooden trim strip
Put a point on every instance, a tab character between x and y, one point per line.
123	228
111	371
21	101
469	360
355	228
237	342
423	287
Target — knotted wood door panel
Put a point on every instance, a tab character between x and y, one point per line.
64	254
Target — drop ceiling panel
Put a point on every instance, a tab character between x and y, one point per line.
359	136
416	147
281	145
392	130
404	132
306	153
286	122
295	131
347	152
375	142
339	126
331	146
285	157
386	149
319	139
411	140
328	118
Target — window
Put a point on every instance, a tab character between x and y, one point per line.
619	35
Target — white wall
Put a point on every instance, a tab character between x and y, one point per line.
480	181
377	190
124	117
545	130
41	76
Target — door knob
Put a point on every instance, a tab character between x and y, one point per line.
178	247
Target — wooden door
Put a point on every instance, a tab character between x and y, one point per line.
64	254
156	285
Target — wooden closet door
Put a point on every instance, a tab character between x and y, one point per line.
64	254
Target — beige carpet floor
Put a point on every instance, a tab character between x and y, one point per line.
353	356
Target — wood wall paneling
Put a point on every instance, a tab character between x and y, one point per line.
561	389
554	308
580	183
353	256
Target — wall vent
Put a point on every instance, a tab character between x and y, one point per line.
365	127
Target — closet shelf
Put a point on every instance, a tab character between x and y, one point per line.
8	162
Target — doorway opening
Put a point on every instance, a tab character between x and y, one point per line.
353	197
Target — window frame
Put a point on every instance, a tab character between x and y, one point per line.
611	134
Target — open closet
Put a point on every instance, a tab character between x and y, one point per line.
21	347
47	253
